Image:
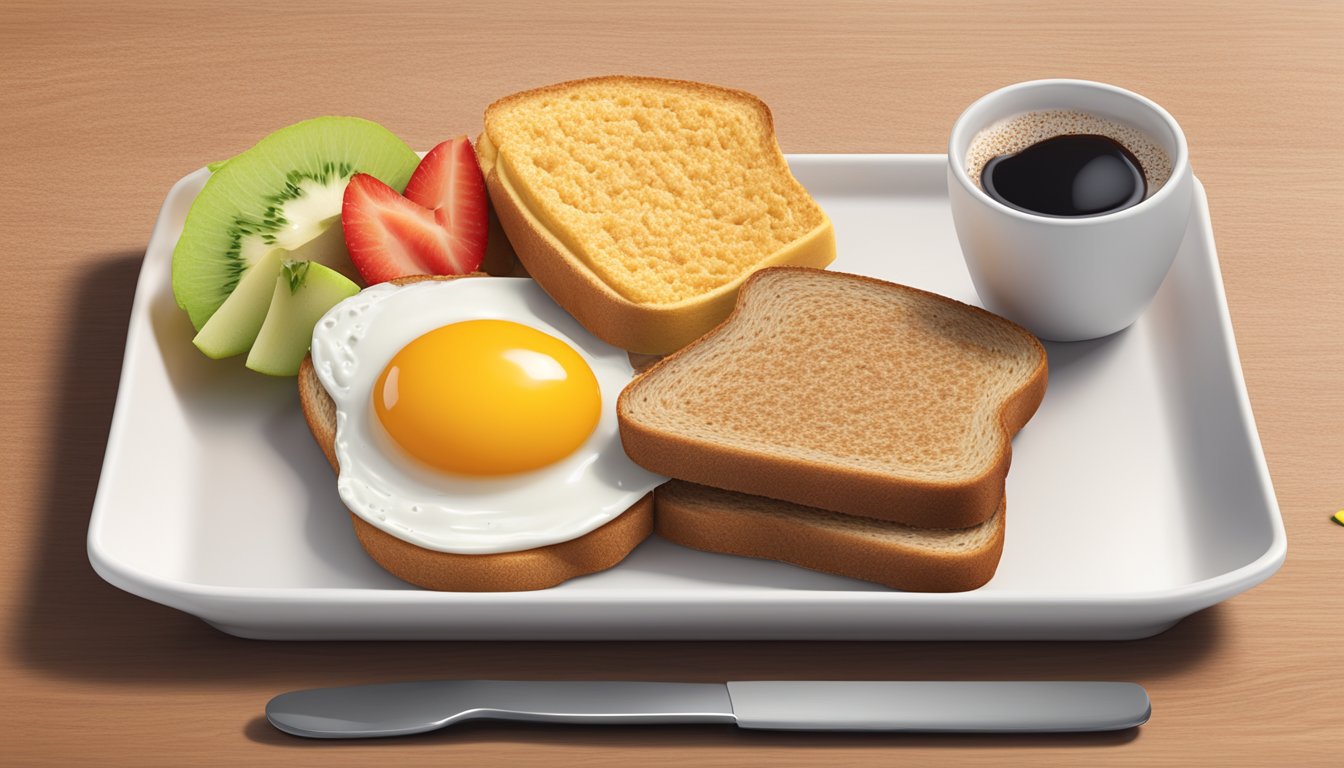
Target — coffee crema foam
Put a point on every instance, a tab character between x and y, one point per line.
1014	134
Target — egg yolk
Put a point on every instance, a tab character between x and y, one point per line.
487	397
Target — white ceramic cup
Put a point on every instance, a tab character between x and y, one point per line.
1069	278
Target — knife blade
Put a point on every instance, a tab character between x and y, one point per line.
399	709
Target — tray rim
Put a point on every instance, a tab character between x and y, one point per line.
200	599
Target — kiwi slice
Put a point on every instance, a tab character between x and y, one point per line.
303	293
286	193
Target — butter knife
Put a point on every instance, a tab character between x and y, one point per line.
400	709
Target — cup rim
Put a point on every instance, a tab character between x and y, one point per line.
1179	164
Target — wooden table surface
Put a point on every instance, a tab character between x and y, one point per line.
104	105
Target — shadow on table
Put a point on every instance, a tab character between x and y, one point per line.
678	737
74	625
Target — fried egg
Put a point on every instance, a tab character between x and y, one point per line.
475	416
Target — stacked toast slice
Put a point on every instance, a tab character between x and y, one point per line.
843	424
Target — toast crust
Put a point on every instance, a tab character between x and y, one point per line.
690	85
536	568
847	490
528	569
737	524
634	326
500	259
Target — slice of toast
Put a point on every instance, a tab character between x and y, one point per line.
844	393
500	259
640	204
536	568
891	554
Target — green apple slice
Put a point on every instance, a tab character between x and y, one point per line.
303	293
235	325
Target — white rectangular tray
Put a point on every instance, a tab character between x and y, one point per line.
1138	494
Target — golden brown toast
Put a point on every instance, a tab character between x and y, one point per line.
640	204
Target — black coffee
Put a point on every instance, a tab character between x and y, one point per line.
1072	175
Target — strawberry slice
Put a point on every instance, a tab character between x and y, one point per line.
389	236
438	228
449	182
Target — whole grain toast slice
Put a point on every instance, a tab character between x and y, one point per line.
844	393
891	554
529	569
641	204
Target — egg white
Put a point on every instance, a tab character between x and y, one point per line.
397	494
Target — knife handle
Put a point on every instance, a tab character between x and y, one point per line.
941	706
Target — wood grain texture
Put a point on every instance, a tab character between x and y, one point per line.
105	105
